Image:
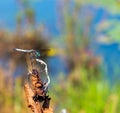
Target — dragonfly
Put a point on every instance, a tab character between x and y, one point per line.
34	54
38	53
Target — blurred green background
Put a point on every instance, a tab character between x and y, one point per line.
84	71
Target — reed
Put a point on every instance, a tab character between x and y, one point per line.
36	97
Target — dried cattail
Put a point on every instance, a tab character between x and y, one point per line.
36	97
35	107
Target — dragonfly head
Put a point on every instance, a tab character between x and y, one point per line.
35	54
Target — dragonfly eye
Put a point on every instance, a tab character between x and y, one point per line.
37	54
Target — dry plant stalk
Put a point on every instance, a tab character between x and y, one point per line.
35	89
36	97
31	104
